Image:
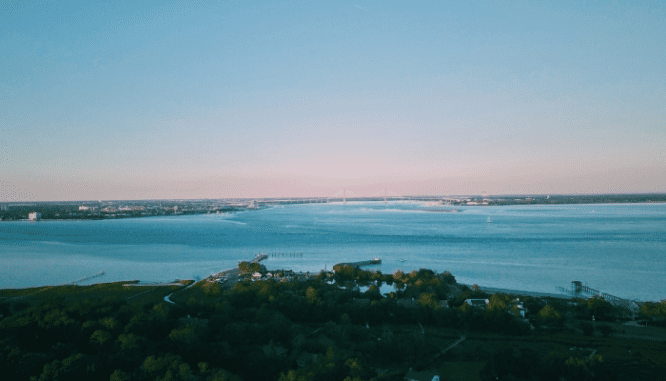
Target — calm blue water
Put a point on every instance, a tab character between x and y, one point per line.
616	248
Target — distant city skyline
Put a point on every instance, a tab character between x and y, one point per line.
122	100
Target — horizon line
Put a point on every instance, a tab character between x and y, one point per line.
353	197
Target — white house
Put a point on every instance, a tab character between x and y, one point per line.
35	216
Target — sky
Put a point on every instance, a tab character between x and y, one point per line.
157	100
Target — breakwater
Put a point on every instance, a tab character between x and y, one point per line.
375	261
88	277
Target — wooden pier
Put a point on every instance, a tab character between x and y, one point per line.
578	289
259	257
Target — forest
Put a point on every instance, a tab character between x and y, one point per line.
318	327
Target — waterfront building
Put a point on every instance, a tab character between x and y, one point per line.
130	208
35	216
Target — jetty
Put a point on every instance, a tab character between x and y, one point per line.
88	278
358	264
259	257
234	272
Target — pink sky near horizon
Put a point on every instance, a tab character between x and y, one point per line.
125	100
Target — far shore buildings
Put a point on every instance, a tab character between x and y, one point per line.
34	216
131	208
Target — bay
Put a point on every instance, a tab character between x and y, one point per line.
616	248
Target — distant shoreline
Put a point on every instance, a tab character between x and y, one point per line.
22	213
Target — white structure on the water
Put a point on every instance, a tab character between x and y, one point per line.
35	216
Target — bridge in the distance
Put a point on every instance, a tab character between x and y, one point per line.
345	195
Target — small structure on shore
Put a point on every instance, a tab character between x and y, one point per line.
480	303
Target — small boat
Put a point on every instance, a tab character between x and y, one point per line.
489	220
402	260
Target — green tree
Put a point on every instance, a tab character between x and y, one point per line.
168	367
599	307
75	367
498	302
355	367
293	375
131	343
109	323
101	337
428	300
244	268
312	296
550	316
447	278
185	334
652	309
119	375
255	267
212	288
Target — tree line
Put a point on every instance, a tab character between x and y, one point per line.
321	327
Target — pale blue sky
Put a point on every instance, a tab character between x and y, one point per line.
119	100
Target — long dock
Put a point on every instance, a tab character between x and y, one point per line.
581	290
259	257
